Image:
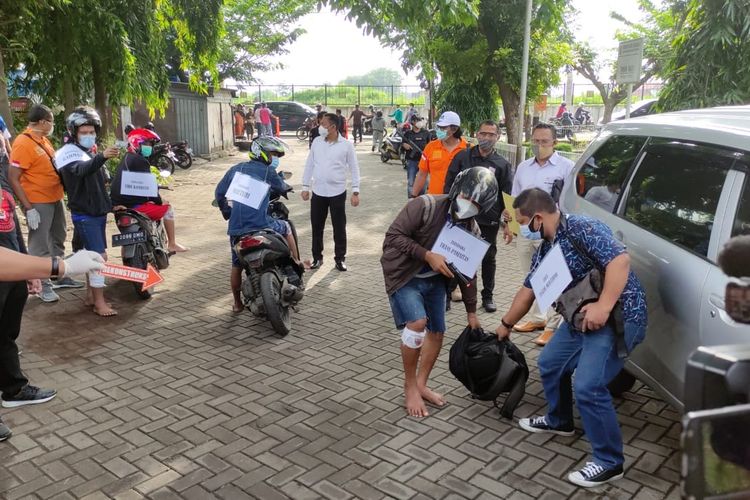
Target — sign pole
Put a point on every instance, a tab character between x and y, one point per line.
524	83
630	98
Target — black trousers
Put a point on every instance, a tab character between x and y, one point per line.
489	234
357	130
13	297
319	206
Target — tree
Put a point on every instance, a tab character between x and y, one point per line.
375	77
710	58
17	24
255	32
658	30
411	26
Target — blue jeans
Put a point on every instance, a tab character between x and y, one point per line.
412	168
92	231
420	298
593	357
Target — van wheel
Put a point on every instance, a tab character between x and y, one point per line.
621	384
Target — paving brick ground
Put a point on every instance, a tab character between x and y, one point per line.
178	398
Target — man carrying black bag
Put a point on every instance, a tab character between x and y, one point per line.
590	342
415	276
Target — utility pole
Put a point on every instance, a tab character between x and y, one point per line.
524	82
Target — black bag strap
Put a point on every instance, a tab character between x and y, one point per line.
514	396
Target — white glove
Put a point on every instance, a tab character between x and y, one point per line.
33	218
82	262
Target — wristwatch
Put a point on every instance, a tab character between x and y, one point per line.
55	272
506	325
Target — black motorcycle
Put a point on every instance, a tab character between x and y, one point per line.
163	158
143	242
273	281
183	154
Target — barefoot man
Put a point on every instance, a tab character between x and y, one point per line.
415	277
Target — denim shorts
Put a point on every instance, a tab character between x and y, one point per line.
420	298
91	231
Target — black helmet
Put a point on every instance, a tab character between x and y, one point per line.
477	185
128	128
150	126
80	116
262	147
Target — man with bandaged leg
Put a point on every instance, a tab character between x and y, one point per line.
415	276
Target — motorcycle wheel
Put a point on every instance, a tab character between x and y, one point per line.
139	261
165	164
278	315
184	160
384	157
302	133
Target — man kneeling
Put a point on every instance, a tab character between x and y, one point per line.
415	277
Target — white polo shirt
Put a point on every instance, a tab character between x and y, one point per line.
326	167
530	174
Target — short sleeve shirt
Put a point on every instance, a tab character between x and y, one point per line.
39	179
265	116
435	161
601	247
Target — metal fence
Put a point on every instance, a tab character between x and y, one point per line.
587	93
337	95
508	151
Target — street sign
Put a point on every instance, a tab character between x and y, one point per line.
149	277
629	61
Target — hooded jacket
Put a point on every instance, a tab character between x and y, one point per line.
84	179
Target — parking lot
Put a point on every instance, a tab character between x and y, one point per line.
179	398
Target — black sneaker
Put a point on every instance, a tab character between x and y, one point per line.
593	474
29	395
539	424
489	306
4	431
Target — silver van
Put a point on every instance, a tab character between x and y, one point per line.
674	188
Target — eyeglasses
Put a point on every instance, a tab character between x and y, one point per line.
486	134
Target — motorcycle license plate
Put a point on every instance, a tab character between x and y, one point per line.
119	240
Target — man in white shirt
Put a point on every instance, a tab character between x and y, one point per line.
325	170
541	171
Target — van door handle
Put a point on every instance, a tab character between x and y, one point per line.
717	300
619	235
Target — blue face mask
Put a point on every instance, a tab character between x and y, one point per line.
87	141
527	233
441	134
146	151
275	162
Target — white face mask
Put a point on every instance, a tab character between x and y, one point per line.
323	131
420	124
465	209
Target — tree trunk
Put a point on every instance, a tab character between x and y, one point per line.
5	110
609	107
69	98
510	100
100	95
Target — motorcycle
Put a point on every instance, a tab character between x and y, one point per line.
304	131
273	283
163	158
143	242
390	148
183	154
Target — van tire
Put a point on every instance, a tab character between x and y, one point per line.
621	384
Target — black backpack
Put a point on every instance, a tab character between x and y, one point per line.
489	367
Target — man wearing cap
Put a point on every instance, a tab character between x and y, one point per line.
438	154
